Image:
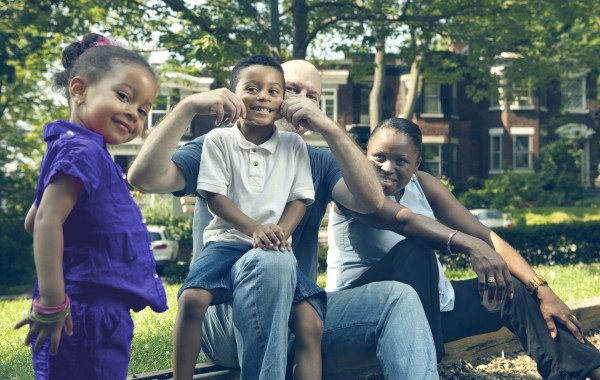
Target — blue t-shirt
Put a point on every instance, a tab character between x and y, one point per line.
325	174
107	247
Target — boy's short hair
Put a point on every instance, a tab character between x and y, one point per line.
262	60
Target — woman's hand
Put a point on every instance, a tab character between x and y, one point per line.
45	329
554	309
492	272
270	236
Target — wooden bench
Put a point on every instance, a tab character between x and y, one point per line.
587	311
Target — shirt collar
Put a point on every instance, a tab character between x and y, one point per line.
270	145
60	127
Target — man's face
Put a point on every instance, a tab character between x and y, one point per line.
301	79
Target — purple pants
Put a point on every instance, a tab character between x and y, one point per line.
99	347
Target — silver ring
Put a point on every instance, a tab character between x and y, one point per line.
574	317
491	280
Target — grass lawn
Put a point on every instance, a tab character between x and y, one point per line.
151	349
555	214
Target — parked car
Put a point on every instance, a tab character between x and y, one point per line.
165	246
492	218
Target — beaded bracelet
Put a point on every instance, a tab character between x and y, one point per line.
50	310
448	246
35	317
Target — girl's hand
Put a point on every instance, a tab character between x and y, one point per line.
269	236
45	329
554	310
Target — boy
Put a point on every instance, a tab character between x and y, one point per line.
257	183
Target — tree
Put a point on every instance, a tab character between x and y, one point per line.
33	34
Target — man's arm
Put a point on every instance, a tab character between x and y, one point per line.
359	189
153	170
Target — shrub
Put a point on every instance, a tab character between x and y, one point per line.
556	182
548	244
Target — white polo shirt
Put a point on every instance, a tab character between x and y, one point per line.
259	179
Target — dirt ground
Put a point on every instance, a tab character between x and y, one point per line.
515	366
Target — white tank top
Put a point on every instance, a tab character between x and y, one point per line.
354	247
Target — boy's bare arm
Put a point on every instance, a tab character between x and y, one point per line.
292	214
153	170
220	205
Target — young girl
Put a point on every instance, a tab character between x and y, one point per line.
257	182
92	251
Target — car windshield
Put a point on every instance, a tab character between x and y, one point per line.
489	214
154	236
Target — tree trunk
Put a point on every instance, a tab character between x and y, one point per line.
299	22
376	94
275	28
414	91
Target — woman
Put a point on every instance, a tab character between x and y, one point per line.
360	253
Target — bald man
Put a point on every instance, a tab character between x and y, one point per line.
376	328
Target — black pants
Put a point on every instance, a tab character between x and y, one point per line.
415	264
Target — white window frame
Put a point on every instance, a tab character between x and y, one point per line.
581	109
158	114
496	133
329	94
526	99
438	141
436	97
520	132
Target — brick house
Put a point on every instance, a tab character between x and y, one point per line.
463	140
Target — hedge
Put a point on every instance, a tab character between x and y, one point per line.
548	244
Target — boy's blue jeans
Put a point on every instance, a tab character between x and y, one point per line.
379	326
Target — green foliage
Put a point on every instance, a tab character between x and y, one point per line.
556	182
552	214
549	244
322	259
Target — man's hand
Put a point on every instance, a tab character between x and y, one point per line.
554	310
225	104
305	113
270	236
492	272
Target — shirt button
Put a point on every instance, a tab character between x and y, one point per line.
124	176
155	275
254	149
255	163
70	133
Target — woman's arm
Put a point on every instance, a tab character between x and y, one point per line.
452	213
484	260
449	211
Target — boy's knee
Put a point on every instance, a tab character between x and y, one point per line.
194	302
308	325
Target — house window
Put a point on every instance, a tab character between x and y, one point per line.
432	159
161	105
431	96
496	149
573	94
521	95
522	152
329	103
